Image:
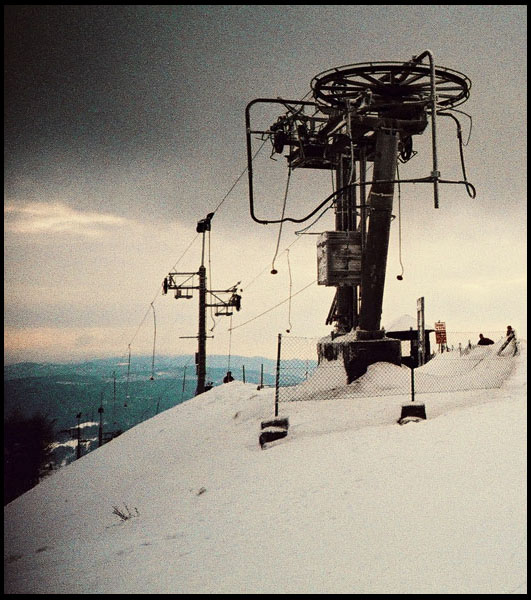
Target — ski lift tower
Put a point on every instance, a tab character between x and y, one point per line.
180	283
361	114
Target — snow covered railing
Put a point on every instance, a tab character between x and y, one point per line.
482	367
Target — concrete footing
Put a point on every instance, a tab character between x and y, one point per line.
359	350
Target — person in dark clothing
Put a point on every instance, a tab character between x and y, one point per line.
510	332
483	341
228	377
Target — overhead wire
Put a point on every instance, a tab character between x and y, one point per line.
210	279
399	277
192	242
290	296
470	191
273	307
230	344
461	153
286	250
239	177
471	122
151	304
159	290
273	270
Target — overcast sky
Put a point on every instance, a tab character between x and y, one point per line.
124	126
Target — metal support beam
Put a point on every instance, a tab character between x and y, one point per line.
201	334
345	220
380	203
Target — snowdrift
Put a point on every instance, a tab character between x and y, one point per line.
348	502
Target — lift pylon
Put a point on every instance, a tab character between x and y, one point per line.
360	114
183	285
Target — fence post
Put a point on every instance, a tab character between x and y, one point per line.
277	378
243	371
262	376
412	384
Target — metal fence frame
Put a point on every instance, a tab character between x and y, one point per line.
420	387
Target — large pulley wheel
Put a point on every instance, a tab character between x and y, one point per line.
391	83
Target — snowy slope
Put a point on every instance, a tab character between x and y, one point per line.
349	502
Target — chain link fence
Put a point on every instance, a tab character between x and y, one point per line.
467	367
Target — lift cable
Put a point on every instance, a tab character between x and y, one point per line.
151	305
290	294
429	179
273	270
303	231
230	344
273	307
239	177
460	139
158	290
210	279
399	277
192	242
470	127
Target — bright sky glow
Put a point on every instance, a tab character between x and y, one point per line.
125	126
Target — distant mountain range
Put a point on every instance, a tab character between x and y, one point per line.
63	390
128	393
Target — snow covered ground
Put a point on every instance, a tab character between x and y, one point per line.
348	502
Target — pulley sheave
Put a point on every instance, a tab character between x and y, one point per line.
379	85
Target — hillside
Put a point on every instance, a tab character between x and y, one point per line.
349	502
128	396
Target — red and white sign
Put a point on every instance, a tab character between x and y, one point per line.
440	332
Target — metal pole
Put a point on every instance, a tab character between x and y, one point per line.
114	399
412	384
377	241
78	449
100	430
201	336
435	171
363	194
277	380
243	372
261	375
184	383
345	220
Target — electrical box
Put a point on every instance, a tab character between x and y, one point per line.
339	258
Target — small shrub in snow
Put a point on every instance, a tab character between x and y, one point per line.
125	514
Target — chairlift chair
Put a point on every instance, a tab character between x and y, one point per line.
179	294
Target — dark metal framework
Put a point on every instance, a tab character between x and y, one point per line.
183	289
362	113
